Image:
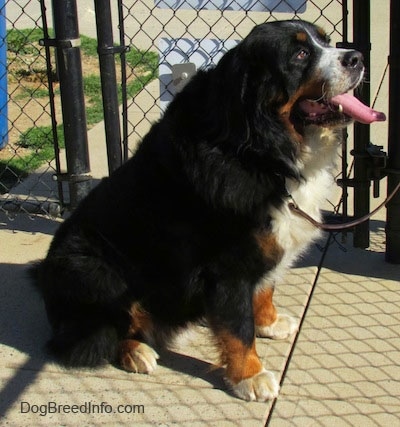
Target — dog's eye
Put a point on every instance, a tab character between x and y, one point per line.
303	54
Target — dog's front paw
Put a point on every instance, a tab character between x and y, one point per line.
283	327
135	356
261	387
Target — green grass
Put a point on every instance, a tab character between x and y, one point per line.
88	45
22	42
141	61
29	92
40	139
92	90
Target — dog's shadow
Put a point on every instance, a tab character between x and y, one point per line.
22	315
25	329
343	257
193	367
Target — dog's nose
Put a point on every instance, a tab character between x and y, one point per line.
352	59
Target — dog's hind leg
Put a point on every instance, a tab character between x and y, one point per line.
134	355
79	344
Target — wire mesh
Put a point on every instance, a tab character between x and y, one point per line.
199	32
162	34
27	158
344	370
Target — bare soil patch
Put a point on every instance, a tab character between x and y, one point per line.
29	104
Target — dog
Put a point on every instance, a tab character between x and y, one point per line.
196	225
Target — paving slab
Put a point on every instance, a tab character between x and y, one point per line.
185	388
343	370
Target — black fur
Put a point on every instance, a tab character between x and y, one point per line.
174	228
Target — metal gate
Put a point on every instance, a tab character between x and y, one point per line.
146	50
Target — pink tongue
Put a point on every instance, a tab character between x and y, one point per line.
356	109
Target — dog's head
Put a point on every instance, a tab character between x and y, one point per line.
293	73
253	110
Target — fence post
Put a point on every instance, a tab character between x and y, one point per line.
3	77
67	42
362	183
393	207
106	51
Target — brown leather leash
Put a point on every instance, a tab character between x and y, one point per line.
338	227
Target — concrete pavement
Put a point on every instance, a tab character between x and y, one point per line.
343	371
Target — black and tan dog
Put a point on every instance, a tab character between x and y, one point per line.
196	225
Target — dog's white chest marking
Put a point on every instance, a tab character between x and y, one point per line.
293	233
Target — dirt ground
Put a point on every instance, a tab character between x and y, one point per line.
29	104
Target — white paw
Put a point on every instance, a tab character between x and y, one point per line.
141	359
261	387
283	327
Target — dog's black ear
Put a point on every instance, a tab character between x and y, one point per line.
245	86
248	98
261	51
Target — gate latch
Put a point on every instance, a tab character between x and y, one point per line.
378	160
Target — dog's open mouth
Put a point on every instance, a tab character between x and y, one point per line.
340	109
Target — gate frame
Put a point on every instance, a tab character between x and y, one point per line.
366	169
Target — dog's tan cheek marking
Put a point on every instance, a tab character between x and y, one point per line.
241	362
264	310
285	112
311	89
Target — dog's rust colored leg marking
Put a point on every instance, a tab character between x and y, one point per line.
264	310
268	323
241	362
269	247
140	322
126	347
135	356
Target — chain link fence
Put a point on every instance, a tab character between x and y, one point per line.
28	143
168	39
191	34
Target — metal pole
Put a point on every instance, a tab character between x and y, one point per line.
361	38
67	42
3	78
121	25
393	207
345	191
50	80
106	52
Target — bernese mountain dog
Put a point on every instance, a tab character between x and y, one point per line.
196	225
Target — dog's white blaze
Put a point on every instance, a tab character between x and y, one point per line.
331	69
